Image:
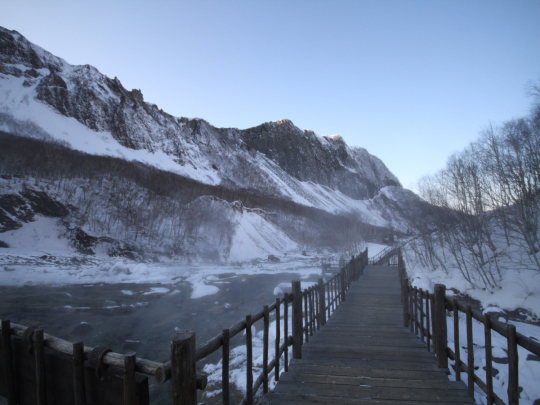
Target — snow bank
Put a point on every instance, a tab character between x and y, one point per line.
255	237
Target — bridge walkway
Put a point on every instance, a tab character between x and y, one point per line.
364	355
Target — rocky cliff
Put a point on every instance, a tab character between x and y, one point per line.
275	158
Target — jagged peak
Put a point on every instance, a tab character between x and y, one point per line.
337	138
283	122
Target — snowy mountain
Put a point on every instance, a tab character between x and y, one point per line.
290	173
97	114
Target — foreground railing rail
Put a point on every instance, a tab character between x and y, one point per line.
426	315
310	308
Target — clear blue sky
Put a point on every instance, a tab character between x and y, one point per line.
411	81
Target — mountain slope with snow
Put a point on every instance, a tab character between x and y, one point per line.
96	114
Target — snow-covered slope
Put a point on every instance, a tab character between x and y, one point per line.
96	114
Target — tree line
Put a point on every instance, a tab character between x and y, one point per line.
136	202
491	195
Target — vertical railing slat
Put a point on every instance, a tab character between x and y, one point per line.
9	375
278	338
266	324
225	393
428	324
297	319
457	348
489	358
39	355
286	330
470	353
513	362
79	387
129	378
249	361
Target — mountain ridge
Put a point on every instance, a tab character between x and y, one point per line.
220	155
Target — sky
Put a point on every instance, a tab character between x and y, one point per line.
410	81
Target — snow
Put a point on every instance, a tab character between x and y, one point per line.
255	237
37	238
157	290
18	101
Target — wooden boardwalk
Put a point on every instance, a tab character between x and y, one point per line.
364	355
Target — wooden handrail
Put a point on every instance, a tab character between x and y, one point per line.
411	302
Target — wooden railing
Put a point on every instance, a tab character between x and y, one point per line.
388	256
426	314
309	308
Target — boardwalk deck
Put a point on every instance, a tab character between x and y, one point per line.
364	355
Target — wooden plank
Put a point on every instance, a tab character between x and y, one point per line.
373	363
373	372
372	382
283	399
399	394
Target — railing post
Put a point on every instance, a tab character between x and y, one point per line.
9	376
249	361
343	283
440	325
130	360
405	301
322	310
79	388
183	368
513	381
297	319
225	368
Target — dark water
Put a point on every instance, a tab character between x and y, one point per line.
140	323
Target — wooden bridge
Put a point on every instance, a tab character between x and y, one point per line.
364	353
364	336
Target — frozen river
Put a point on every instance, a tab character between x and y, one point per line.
134	307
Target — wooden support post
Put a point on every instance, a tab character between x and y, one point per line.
266	320
422	327
513	380
183	371
78	374
433	337
129	379
9	376
489	358
405	301
278	337
311	312
343	284
306	311
286	330
322	310
440	325
249	362
411	306
457	348
225	367
470	353
317	307
297	319
334	290
428	326
39	354
328	297
415	298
